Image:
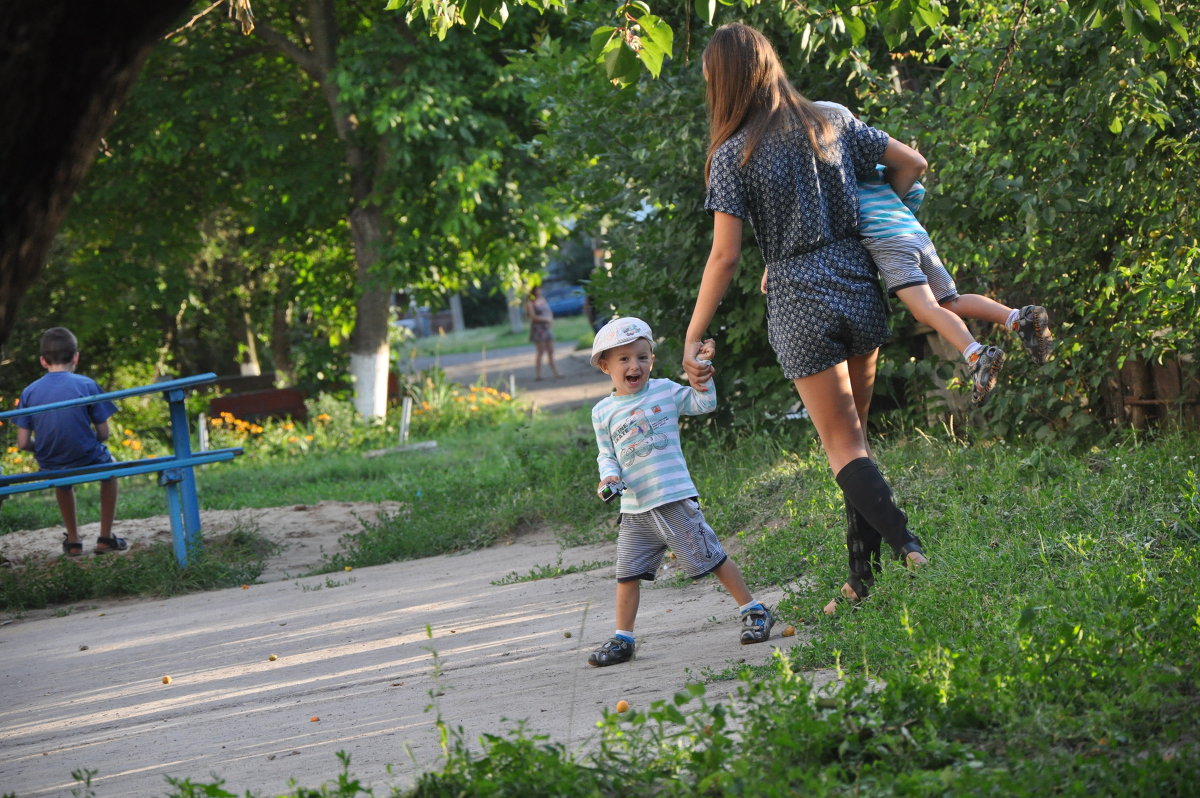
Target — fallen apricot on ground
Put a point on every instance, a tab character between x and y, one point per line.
622	705
313	719
272	658
166	680
788	631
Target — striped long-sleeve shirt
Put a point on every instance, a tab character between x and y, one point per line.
638	439
881	214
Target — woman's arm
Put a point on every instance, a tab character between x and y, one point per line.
718	272
904	166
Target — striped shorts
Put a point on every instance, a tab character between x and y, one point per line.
678	526
909	260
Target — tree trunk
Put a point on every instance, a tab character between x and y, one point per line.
316	54
65	69
369	354
281	341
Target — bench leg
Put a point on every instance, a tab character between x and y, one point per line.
184	510
175	512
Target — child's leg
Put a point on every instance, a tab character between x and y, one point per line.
756	618
975	306
108	506
731	579
621	647
920	300
629	595
66	506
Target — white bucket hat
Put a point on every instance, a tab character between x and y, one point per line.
619	332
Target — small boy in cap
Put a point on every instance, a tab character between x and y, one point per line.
637	433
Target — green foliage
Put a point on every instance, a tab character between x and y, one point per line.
550	571
1057	136
439	406
224	561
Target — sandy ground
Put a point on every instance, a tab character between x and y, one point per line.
355	671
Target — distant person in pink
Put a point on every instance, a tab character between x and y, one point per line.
541	319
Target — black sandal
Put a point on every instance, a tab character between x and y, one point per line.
114	544
72	548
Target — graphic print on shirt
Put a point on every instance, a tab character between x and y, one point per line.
635	436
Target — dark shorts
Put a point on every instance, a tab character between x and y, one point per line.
824	308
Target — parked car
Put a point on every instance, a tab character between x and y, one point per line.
564	300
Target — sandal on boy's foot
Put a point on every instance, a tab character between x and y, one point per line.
1033	328
756	625
112	544
72	548
983	374
613	652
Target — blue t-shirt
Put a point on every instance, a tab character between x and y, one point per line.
65	438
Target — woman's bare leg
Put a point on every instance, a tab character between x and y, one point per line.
838	401
829	398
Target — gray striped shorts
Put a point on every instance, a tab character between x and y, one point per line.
678	526
908	260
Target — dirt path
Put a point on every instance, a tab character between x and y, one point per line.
83	688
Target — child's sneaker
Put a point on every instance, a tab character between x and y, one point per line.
613	652
756	625
983	373
1033	328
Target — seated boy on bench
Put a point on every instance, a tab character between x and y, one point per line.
71	437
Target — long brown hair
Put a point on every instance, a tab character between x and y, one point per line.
748	88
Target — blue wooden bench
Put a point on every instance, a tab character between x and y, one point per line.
175	472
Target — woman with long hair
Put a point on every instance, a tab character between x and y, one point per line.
788	167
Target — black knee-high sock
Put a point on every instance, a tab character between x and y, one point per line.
862	544
869	493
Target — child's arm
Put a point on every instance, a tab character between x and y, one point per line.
24	439
700	399
606	460
101	431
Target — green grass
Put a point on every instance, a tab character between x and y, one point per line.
569	331
1049	648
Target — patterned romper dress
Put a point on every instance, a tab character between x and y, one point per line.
824	303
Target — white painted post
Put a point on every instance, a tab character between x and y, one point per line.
202	429
405	418
512	384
